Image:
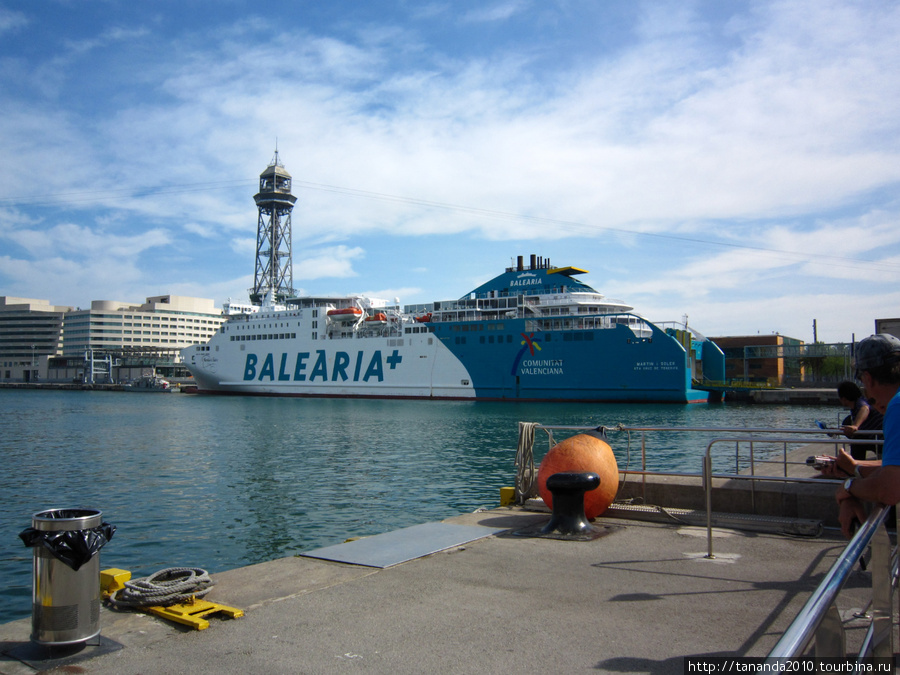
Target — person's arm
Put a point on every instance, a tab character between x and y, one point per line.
861	415
881	486
845	466
850	513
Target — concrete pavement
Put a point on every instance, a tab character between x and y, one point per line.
637	600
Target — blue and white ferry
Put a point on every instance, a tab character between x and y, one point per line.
533	333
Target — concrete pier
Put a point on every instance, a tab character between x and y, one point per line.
637	600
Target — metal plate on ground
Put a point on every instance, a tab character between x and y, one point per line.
398	546
42	658
596	531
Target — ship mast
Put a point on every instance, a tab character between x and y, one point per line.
274	261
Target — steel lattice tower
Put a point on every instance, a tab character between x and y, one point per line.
274	263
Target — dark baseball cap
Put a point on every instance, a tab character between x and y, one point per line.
878	350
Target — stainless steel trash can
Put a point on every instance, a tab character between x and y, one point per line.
66	603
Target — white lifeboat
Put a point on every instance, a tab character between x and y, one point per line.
345	314
377	319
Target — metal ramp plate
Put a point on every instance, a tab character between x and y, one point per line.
398	546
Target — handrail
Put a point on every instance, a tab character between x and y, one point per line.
800	633
730	430
819	618
708	475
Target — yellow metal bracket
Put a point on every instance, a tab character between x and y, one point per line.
192	613
189	613
113	580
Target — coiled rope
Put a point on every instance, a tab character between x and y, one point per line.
525	473
526	476
166	587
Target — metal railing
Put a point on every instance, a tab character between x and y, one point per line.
708	474
740	435
819	619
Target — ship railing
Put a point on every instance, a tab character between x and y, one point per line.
819	619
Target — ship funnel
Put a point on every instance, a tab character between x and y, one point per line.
533	261
519	264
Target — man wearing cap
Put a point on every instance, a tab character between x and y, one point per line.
878	368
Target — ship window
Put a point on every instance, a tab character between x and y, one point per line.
491	339
509	339
482	339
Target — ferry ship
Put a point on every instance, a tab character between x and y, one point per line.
533	333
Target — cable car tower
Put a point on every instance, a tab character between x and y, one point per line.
274	263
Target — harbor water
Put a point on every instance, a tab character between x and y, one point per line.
223	482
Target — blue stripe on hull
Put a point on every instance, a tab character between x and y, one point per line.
577	365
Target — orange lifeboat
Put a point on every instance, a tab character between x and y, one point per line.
425	318
345	314
378	319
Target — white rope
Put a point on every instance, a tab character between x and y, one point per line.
169	586
526	476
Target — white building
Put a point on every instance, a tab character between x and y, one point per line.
29	333
44	342
167	321
891	326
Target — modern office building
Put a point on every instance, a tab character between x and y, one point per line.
168	321
43	342
30	331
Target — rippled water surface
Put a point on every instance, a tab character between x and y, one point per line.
221	482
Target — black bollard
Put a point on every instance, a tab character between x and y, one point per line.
568	490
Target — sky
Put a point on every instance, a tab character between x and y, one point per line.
734	162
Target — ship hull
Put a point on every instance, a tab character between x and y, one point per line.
453	362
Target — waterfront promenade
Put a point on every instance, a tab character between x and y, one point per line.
636	600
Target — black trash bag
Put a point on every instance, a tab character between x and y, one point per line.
75	547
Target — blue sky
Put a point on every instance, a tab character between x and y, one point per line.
737	162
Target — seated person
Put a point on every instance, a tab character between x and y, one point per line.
862	417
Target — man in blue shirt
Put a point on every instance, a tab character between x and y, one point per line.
878	368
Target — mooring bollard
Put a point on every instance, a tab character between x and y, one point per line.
568	490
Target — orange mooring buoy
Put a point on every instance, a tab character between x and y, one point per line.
582	453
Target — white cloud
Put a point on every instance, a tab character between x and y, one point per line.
335	261
774	129
83	242
498	11
11	20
